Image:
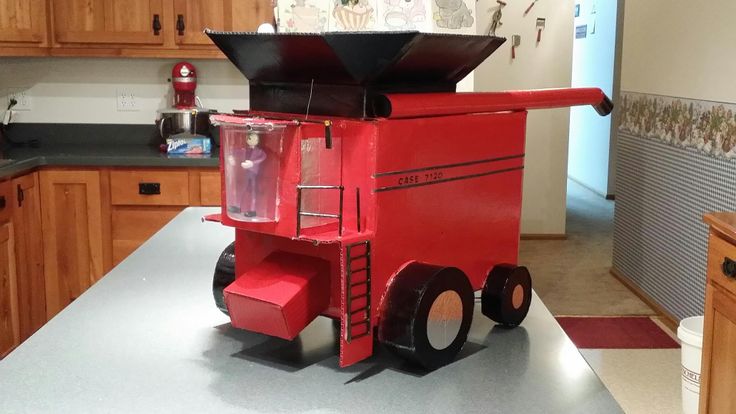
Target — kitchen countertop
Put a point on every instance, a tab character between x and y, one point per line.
26	159
148	338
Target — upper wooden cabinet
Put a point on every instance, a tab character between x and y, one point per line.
193	16
23	23
108	21
126	28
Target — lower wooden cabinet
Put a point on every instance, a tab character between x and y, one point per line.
9	324
133	225
61	230
718	372
71	210
29	252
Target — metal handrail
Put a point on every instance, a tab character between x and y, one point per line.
300	213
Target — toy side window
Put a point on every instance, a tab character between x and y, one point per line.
320	167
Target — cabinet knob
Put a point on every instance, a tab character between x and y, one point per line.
180	24
729	267
156	25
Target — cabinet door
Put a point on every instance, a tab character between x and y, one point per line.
29	254
71	210
107	21
9	334
193	16
23	21
718	373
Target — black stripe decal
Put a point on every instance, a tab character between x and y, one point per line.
460	164
446	180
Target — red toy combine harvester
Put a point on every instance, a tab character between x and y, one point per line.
364	189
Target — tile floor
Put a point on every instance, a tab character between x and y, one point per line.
572	278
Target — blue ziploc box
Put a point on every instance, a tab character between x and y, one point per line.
188	145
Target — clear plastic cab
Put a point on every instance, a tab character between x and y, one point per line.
251	152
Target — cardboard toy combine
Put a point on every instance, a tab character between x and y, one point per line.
364	189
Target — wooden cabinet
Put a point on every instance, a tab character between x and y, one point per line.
9	323
193	16
143	201
108	21
61	230
23	23
29	253
210	188
718	372
71	210
129	28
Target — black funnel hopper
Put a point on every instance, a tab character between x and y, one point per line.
337	73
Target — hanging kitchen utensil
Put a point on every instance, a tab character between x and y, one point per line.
528	9
541	23
515	42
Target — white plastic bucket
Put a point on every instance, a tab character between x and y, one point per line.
690	333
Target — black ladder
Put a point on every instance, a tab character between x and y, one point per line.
358	283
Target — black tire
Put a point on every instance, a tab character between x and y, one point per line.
224	276
405	326
507	294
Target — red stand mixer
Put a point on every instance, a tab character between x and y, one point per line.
185	118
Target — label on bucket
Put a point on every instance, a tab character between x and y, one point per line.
691	379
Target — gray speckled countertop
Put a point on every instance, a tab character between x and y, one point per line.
148	338
20	160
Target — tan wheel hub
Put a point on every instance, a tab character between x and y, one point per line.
517	297
444	319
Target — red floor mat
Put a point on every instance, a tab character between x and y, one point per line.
616	333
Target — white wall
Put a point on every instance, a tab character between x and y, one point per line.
545	65
680	48
81	90
593	66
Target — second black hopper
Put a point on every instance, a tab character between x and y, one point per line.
338	73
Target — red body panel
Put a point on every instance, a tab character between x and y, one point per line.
445	190
280	296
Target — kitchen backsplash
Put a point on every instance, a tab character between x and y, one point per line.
81	90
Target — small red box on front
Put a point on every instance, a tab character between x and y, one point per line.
280	296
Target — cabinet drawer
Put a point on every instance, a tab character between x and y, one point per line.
210	191
132	226
6	201
161	188
720	252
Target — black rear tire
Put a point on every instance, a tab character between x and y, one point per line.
507	294
224	276
427	314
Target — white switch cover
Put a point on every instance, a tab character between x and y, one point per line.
22	96
127	100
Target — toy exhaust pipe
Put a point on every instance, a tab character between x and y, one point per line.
433	104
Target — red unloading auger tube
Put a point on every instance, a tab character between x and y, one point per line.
438	104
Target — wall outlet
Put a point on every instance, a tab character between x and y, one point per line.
127	100
22	96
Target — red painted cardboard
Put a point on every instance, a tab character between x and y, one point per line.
441	189
280	296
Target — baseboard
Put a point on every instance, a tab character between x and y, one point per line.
586	186
544	237
667	318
